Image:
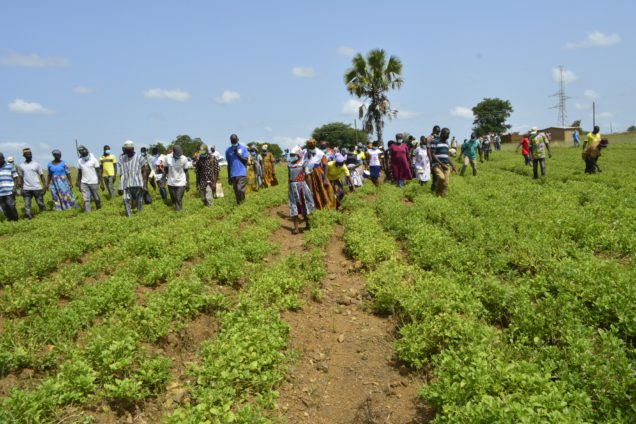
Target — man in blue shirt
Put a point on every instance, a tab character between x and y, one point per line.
576	138
8	185
236	156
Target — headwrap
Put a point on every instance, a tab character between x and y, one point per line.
339	158
264	147
82	147
56	152
399	136
296	150
203	149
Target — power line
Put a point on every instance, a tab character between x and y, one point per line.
563	114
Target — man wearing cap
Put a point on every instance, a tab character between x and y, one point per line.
31	179
8	187
89	174
539	142
108	163
134	177
236	156
176	175
207	174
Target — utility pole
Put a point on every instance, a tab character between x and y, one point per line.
563	114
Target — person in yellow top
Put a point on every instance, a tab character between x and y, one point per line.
108	163
336	169
269	171
593	138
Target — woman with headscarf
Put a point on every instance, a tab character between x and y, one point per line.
301	201
400	167
317	179
59	182
269	172
254	169
336	169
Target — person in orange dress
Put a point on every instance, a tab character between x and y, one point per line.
321	189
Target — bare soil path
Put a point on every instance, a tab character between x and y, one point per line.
346	370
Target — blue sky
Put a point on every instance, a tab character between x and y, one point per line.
104	72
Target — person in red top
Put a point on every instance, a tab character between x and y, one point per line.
400	167
525	150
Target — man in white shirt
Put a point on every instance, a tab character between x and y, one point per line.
176	174
31	179
89	174
158	161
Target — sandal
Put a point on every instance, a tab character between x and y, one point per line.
295	231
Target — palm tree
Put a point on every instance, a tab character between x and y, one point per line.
370	79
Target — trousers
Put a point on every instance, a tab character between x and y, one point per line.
239	184
7	203
133	194
536	163
39	199
90	192
443	178
109	182
473	164
176	196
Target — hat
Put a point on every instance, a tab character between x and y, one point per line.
213	146
56	152
203	148
339	158
534	130
399	136
296	150
264	147
82	147
10	159
129	143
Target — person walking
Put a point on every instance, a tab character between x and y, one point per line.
400	167
525	150
576	138
421	162
301	200
497	140
486	147
441	162
59	182
89	174
470	149
158	161
317	181
8	189
539	142
592	150
134	177
31	179
336	169
254	169
206	172
269	169
374	156
237	157
108	163
177	176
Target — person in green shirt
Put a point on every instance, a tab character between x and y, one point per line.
470	149
539	142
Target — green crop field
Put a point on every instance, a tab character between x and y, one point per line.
514	298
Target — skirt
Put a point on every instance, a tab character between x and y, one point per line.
323	196
62	193
301	201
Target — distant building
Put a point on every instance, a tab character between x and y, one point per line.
557	134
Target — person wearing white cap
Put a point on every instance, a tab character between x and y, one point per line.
301	200
89	174
539	142
134	177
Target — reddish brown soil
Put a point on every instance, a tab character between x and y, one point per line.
346	370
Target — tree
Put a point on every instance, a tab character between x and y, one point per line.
491	116
576	124
160	148
631	128
339	134
188	144
272	147
370	79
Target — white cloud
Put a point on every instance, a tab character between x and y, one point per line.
34	108
227	97
82	89
596	39
303	72
462	112
351	107
175	95
581	106
33	61
591	94
268	128
406	114
11	146
605	115
568	76
346	51
289	142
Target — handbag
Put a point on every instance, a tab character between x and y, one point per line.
219	190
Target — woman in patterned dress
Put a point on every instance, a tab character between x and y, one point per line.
301	201
319	185
58	181
269	173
